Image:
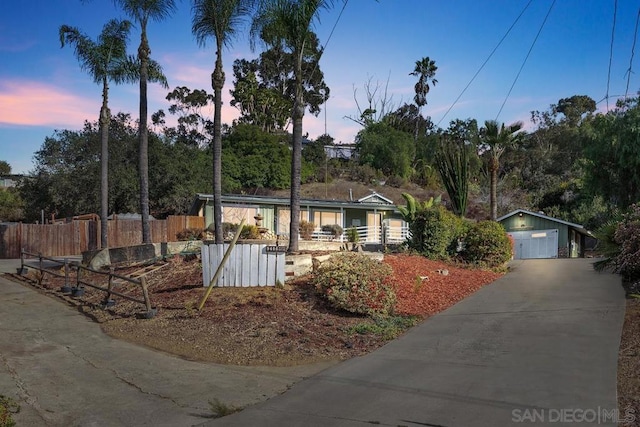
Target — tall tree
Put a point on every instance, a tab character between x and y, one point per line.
220	20
264	88
105	60
141	11
287	23
453	158
425	71
496	139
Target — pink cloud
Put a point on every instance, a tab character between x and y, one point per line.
30	103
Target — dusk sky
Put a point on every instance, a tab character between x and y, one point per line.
43	89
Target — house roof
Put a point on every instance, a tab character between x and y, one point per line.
373	201
579	228
376	198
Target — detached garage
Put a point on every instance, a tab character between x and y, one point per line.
539	236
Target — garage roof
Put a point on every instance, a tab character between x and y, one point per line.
579	228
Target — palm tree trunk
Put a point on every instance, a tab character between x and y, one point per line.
217	81
143	137
104	166
296	158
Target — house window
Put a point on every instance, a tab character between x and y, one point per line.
321	218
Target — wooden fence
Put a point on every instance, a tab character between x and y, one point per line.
248	265
75	237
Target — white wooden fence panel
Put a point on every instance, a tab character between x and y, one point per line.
205	261
247	265
255	257
263	278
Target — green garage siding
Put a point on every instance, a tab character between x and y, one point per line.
530	222
571	237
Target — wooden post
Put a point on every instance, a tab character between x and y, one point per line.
66	272
145	292
221	265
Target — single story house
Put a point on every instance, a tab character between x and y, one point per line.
539	236
370	214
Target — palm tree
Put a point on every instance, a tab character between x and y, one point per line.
141	11
497	138
220	20
288	24
425	70
105	60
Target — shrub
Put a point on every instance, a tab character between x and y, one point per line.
306	229
487	243
190	234
250	232
435	232
357	284
352	235
627	236
334	229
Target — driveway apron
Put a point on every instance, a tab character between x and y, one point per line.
538	346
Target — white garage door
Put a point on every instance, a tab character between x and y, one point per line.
535	244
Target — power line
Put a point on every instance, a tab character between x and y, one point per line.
526	57
485	62
633	49
613	31
344	5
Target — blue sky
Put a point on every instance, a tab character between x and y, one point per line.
43	89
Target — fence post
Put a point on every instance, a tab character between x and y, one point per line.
145	292
107	299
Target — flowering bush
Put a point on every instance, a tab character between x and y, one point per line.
356	283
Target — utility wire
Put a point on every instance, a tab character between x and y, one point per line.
485	62
613	31
344	5
525	59
633	49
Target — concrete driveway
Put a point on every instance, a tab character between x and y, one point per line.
538	346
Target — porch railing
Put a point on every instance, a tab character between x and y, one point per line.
367	234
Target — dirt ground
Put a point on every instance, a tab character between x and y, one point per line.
629	357
292	324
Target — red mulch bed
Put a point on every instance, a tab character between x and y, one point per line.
425	287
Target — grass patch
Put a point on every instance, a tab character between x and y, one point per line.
387	327
219	409
8	407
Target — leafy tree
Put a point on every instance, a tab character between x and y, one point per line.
287	23
141	11
218	19
5	168
612	154
11	205
575	108
386	149
255	159
497	138
264	88
193	128
105	60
